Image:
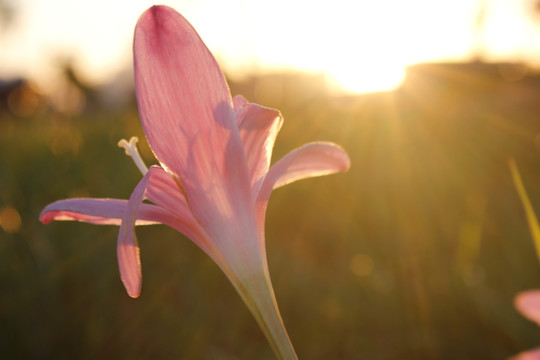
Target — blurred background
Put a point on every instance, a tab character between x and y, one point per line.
416	253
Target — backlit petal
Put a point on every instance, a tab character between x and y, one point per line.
187	115
110	212
528	303
313	159
98	211
171	209
163	191
179	87
238	101
258	128
127	250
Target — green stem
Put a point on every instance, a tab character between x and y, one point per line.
258	295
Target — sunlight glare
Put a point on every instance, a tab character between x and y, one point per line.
362	46
360	77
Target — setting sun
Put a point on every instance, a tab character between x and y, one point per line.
361	46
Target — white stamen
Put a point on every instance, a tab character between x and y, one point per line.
131	150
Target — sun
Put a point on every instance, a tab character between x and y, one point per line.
363	77
362	46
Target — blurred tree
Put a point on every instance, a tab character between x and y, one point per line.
7	14
536	8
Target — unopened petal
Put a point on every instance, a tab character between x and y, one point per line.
528	303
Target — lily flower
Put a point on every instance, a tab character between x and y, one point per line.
214	177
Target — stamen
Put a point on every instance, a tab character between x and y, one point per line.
131	150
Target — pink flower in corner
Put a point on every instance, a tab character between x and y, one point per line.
528	304
214	178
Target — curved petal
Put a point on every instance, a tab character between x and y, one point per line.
127	250
313	159
179	86
528	303
98	211
163	191
187	116
258	128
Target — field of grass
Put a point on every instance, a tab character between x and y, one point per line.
416	253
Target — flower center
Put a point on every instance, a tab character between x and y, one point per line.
131	150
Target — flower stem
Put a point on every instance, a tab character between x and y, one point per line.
261	301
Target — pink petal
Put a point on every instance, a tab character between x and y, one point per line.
129	260
98	211
111	211
163	191
258	128
527	355
313	159
187	116
238	101
528	303
171	209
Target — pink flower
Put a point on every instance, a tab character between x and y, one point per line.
528	304
214	178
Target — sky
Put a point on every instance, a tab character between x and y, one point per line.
360	45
